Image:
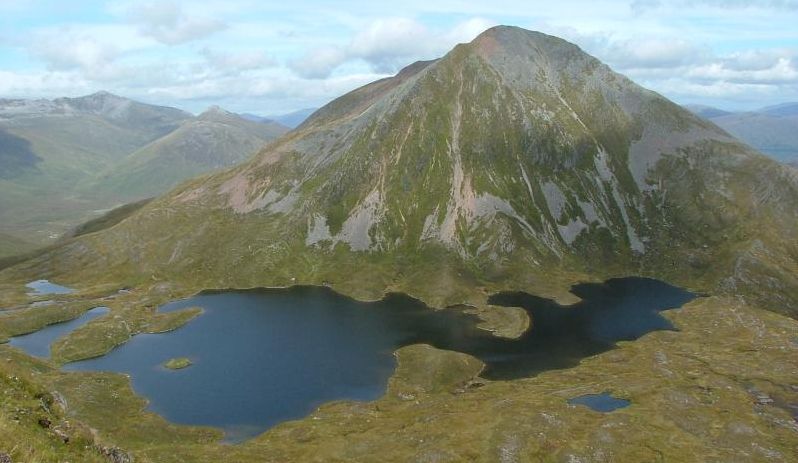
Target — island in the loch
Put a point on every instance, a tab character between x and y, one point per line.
178	363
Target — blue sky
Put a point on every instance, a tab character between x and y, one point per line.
270	57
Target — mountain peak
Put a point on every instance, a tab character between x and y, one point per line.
102	103
101	97
514	39
522	56
216	109
218	114
513	151
104	94
510	34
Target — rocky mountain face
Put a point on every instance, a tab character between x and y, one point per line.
516	161
54	155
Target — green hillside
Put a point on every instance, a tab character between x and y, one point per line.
68	160
11	245
513	162
516	162
214	140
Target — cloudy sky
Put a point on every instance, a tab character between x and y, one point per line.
269	57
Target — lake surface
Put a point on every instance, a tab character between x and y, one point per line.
44	287
38	343
266	356
603	402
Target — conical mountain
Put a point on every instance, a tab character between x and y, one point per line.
516	161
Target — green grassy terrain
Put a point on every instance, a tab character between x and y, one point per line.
214	140
108	219
516	162
697	394
79	157
452	180
12	246
177	363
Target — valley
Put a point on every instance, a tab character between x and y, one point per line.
67	160
771	130
509	253
281	338
701	392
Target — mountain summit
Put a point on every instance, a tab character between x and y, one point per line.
516	161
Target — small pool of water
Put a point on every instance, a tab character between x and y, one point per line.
44	287
38	343
603	402
266	356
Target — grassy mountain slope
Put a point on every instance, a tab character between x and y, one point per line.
59	146
12	245
214	140
52	152
515	162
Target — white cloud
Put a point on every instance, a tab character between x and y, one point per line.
640	6
387	45
468	30
89	49
755	60
236	62
292	55
51	84
390	43
80	51
319	63
654	53
782	72
169	24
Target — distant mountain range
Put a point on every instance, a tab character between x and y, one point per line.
292	119
65	160
512	162
772	130
213	140
510	169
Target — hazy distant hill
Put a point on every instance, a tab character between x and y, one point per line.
772	130
516	164
52	152
49	148
783	110
215	139
706	111
292	119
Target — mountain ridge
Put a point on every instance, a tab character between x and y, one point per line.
213	140
515	162
772	130
52	151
